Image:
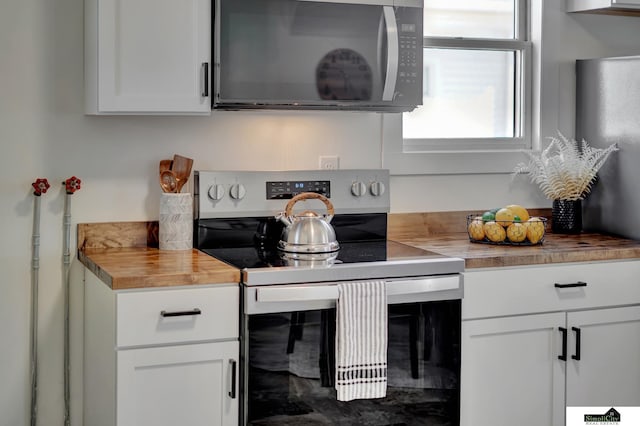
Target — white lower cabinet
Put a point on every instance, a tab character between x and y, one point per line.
608	372
186	384
161	357
531	348
510	374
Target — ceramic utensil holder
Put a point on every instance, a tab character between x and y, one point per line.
176	222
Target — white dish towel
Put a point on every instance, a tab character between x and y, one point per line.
361	340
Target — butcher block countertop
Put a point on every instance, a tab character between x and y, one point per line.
125	255
445	233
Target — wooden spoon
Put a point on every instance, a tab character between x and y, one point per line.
168	181
182	168
165	165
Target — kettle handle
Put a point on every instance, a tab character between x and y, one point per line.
308	196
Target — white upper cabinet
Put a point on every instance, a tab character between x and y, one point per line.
622	7
147	56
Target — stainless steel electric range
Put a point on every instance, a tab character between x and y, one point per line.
288	302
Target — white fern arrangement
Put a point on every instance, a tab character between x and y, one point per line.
563	170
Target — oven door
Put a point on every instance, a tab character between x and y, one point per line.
289	356
318	54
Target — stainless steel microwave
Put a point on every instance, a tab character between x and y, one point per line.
318	54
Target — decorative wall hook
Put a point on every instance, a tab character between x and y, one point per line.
40	186
72	184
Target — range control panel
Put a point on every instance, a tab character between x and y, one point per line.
285	190
249	194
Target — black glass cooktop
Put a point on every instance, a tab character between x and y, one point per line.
350	252
260	257
251	243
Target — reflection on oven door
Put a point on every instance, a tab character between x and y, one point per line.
291	369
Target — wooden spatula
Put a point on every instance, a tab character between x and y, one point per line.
181	167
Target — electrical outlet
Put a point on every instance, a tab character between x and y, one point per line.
329	162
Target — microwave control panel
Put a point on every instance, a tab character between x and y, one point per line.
410	54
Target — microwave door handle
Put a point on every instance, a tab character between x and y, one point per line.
382	48
393	53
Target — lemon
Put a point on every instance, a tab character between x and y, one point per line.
475	228
519	211
504	217
535	230
516	232
494	232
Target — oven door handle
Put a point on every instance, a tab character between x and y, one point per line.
300	293
395	289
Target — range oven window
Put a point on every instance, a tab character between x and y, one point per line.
290	369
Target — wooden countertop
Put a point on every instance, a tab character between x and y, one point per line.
445	233
586	247
139	267
123	255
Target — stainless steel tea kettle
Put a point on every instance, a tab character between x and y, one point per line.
308	232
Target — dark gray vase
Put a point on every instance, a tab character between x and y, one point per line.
566	217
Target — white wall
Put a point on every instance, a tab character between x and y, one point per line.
43	133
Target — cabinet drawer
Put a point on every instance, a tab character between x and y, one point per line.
177	315
526	290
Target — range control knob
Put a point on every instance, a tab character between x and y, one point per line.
377	188
358	189
237	191
216	192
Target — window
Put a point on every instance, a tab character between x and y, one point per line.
476	85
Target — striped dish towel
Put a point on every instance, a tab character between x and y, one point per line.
361	340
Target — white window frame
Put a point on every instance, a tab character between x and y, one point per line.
471	156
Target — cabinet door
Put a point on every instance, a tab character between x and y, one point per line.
151	56
626	3
178	385
511	374
603	6
608	372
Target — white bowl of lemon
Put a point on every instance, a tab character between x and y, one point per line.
509	225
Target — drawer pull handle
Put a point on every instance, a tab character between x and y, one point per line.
570	285
194	311
563	355
232	392
577	354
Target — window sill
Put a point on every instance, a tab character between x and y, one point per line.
441	162
446	163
